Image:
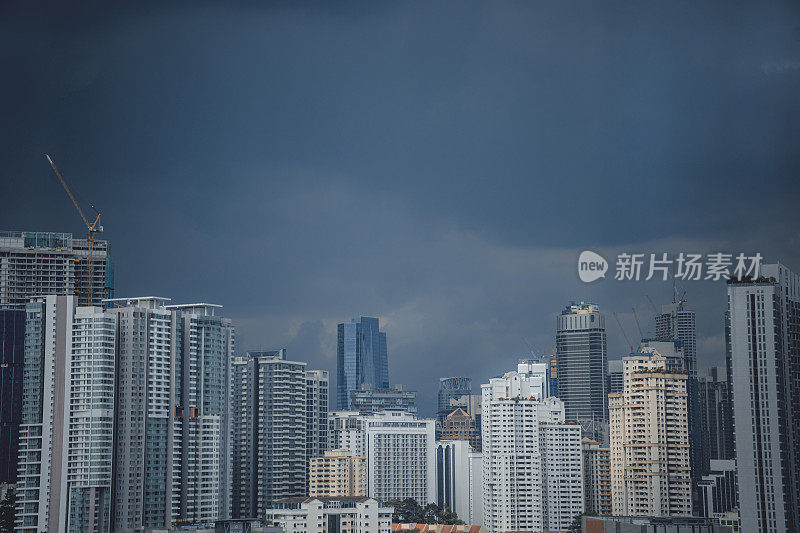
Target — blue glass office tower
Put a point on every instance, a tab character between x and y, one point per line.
361	357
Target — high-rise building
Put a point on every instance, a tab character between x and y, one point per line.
650	473
401	456
763	324
317	387
676	323
370	400
532	477
716	419
338	473
672	350
361	358
12	356
171	446
596	477
582	364
615	376
36	263
270	437
347	431
475	489
719	494
453	487
451	389
66	437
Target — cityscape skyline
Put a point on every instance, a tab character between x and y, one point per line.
484	267
230	425
391	174
427	392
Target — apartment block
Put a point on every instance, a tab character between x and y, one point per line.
532	476
67	431
347	431
279	420
650	469
173	383
338	473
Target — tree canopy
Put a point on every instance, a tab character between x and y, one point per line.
409	511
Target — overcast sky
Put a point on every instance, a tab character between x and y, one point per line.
438	165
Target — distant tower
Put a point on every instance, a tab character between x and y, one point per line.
451	389
716	419
582	362
361	358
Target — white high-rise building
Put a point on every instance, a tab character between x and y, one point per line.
532	476
171	447
401	456
476	489
650	469
347	431
65	453
764	362
453	487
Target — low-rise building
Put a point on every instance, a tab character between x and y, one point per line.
338	473
342	514
651	524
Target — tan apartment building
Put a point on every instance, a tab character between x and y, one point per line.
338	473
650	472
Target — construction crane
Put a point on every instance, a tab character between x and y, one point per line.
635	316
651	303
623	333
92	228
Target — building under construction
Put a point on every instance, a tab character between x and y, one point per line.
36	263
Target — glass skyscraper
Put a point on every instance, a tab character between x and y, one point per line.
361	358
581	358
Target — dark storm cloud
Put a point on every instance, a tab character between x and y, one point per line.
440	166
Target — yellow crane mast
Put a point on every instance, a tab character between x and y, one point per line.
92	228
